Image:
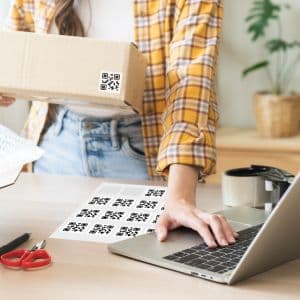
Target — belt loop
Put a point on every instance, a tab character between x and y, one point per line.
59	121
115	142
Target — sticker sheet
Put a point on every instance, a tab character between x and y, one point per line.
114	212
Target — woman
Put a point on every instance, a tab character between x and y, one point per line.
180	39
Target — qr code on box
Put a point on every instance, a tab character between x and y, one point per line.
110	82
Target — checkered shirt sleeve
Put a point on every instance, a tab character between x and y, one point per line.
190	116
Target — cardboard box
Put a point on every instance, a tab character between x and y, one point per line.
53	68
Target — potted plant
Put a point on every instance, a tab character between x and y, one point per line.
277	110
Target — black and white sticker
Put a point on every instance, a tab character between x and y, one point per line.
110	82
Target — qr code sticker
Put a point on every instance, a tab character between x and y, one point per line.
110	82
155	219
123	202
147	204
128	231
155	193
99	201
75	227
113	215
88	213
138	217
101	229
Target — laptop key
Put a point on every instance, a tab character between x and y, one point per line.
213	263
236	260
227	263
197	261
208	257
203	266
219	259
179	254
193	264
202	253
171	257
216	255
187	258
188	251
211	250
232	256
217	269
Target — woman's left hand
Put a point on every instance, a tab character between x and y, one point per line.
180	210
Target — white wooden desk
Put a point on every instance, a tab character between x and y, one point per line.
88	271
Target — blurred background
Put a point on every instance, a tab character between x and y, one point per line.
236	53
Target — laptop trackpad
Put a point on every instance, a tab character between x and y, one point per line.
242	217
237	226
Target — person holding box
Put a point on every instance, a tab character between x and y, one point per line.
173	137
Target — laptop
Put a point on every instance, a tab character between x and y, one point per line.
264	242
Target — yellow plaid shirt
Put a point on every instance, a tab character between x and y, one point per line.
180	40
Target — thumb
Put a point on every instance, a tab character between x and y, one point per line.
162	228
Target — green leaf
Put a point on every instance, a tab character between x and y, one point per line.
261	13
255	67
294	44
276	45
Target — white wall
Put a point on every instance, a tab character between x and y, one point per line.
236	53
14	116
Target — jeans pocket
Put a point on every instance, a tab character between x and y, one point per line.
134	148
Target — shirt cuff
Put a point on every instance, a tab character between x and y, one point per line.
188	145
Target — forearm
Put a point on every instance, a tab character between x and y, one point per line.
182	183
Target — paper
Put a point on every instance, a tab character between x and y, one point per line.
114	212
15	151
9	177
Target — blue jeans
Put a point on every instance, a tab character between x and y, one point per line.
89	146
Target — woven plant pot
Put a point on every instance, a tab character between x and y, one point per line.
277	115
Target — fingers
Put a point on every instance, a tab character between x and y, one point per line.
191	220
229	232
162	227
219	231
203	229
222	231
6	101
164	224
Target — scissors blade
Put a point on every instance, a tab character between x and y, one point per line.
39	245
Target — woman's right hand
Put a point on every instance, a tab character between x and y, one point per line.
6	101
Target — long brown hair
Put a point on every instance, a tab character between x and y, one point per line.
67	20
68	23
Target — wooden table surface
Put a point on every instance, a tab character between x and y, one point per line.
83	270
248	139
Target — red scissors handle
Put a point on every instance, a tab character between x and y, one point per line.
26	259
14	258
36	259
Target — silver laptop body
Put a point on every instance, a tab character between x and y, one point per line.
276	242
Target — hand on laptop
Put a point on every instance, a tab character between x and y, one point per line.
180	210
6	101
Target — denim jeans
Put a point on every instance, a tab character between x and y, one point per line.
89	146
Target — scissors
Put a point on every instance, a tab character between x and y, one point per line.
34	258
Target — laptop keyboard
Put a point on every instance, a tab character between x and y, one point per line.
218	260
